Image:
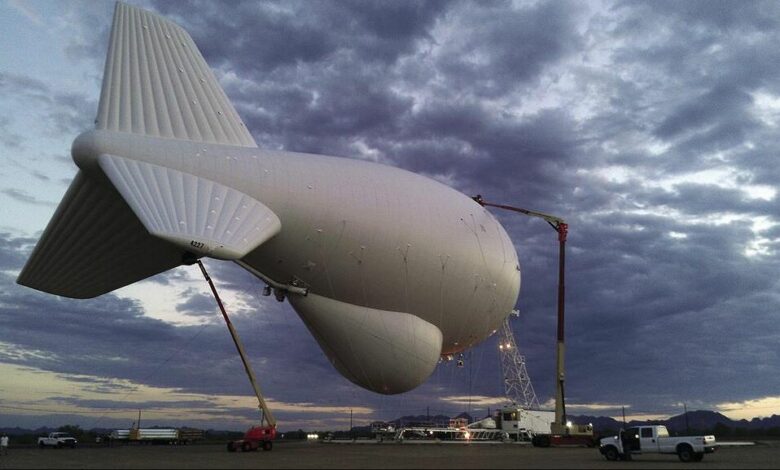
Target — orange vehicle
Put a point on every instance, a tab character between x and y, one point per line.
254	438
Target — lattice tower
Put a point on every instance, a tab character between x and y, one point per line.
517	384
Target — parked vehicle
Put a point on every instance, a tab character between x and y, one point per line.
254	438
655	440
58	440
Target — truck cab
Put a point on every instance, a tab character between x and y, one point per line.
522	425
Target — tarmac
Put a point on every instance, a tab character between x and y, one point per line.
386	455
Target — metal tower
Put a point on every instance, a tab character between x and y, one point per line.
517	383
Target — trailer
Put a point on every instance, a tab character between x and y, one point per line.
458	429
449	434
173	436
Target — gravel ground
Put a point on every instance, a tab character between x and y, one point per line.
388	455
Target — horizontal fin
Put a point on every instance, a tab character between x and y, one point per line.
157	83
93	245
195	213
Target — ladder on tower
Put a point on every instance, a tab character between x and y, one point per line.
517	384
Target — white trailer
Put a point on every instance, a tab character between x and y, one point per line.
156	435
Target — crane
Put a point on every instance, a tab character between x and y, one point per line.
258	435
561	430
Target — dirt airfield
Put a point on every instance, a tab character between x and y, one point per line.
387	455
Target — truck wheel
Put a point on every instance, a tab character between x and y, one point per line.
59	445
541	440
231	447
685	453
246	447
611	453
41	445
268	445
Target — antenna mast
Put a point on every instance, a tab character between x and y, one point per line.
517	383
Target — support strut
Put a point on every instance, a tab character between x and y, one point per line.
265	413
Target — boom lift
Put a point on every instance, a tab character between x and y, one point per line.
562	432
256	436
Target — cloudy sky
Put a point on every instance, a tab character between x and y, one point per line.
651	127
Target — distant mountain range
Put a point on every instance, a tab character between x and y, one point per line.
693	420
701	419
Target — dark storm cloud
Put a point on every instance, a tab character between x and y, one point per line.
656	298
496	48
680	36
437	88
282	34
708	199
147	405
725	101
631	283
716	16
687	72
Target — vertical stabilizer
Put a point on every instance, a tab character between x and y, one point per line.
157	83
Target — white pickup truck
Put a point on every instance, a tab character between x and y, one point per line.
57	439
655	440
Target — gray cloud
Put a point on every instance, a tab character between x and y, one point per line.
10	139
702	111
197	304
514	50
67	113
23	197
